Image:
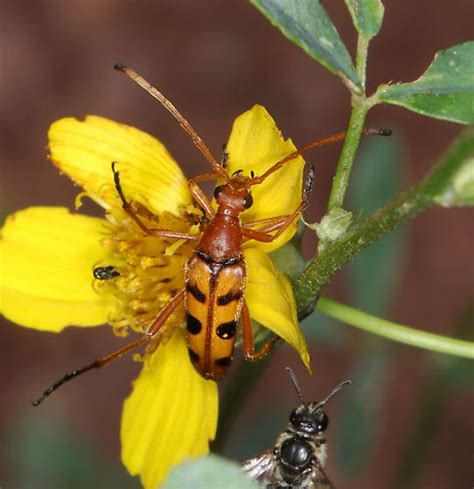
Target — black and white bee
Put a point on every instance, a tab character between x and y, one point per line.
297	459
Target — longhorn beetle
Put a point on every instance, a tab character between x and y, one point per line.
215	275
299	453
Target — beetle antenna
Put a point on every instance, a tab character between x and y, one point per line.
150	333
316	144
198	142
100	362
295	384
334	392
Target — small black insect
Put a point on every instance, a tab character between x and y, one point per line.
105	273
297	459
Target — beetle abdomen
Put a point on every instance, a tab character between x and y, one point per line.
213	302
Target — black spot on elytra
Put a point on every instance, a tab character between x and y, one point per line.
193	356
194	290
229	297
226	331
224	362
193	324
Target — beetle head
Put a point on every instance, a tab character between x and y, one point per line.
235	193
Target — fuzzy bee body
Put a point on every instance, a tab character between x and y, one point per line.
297	459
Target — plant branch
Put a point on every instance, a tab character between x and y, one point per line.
405	206
361	59
346	160
354	131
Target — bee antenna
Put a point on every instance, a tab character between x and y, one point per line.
334	392
295	384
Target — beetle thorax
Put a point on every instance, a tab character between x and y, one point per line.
222	239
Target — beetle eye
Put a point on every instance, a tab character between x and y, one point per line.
217	190
248	201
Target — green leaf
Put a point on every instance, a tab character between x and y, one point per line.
460	189
45	452
211	471
289	259
306	23
444	91
450	182
357	425
446	376
367	16
375	273
325	331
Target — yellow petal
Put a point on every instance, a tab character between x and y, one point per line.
46	261
86	149
256	143
170	416
271	302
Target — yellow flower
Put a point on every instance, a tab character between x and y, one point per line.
48	255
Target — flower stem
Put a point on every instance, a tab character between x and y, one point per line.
322	268
344	167
361	58
405	206
360	108
394	331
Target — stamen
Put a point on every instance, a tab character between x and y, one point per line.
151	269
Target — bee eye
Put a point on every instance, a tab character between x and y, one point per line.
217	190
323	422
248	201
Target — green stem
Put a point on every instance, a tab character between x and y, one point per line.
354	131
361	58
394	331
344	167
405	206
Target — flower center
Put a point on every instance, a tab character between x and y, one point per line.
151	269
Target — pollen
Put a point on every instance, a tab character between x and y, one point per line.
148	274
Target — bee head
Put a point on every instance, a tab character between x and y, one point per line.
309	418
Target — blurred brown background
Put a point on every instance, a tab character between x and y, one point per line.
214	59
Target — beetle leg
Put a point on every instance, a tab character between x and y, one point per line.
280	226
164	314
280	223
249	351
127	207
153	329
267	225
